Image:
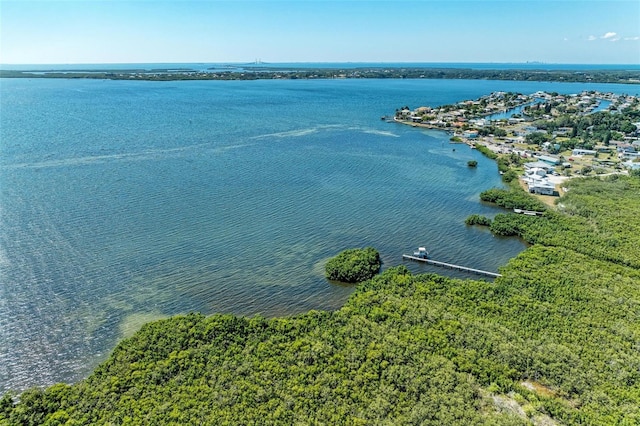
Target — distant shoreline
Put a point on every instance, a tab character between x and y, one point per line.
261	72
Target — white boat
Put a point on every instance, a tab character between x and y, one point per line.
421	253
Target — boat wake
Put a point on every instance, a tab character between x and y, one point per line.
380	133
335	127
147	155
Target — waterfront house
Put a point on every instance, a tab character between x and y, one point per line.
479	122
537	182
542	187
470	134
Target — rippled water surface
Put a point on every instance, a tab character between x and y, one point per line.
123	202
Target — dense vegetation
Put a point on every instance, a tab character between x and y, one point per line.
486	151
476	219
514	198
255	73
353	265
556	338
507	164
598	218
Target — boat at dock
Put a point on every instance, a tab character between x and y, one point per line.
421	253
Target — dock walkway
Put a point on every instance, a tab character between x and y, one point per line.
528	212
452	266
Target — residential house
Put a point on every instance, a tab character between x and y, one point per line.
579	151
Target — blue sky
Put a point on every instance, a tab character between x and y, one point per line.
146	31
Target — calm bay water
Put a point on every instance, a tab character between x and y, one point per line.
123	202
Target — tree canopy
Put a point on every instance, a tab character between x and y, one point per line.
353	265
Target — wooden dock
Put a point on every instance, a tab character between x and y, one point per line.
528	212
451	266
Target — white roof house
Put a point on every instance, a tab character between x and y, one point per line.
537	182
541	186
537	165
536	173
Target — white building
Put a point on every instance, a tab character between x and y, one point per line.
537	182
537	165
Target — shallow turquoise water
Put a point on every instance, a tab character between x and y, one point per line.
127	201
